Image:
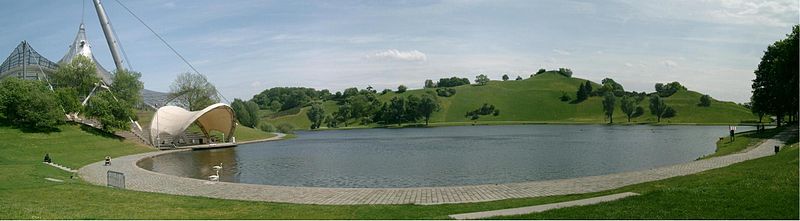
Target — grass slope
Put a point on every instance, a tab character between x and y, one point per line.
762	188
536	100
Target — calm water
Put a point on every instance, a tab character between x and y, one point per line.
447	156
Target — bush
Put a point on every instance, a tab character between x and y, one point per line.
386	91
705	101
565	71
267	127
401	89
541	70
669	112
639	112
286	128
519	78
445	92
565	97
29	105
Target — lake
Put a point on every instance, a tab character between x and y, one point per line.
447	156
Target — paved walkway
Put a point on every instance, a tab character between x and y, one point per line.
542	208
143	180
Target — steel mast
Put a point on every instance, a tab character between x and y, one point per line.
112	41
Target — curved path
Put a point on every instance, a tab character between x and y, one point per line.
144	180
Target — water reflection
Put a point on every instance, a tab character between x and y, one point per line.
447	155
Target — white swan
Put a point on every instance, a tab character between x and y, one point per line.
213	177
217	167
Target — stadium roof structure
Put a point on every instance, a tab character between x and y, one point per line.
81	46
173	121
24	62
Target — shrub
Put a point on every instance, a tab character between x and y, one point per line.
541	70
401	89
705	101
452	82
267	127
445	92
29	105
565	71
565	97
286	128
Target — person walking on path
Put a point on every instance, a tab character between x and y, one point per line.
732	129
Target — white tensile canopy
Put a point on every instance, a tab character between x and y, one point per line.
173	120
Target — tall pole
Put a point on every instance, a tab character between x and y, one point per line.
112	41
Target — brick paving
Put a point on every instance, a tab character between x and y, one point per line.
143	180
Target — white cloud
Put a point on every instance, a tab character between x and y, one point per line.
394	54
627	64
669	63
561	52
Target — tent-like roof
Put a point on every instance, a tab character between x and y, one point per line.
81	46
26	63
173	120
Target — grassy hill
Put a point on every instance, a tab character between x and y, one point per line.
536	100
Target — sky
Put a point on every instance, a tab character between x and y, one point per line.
246	46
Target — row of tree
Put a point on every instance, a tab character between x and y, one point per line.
775	88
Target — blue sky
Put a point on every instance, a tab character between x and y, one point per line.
245	46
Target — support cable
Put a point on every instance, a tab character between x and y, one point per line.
166	44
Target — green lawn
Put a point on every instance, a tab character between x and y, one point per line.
536	100
743	141
763	188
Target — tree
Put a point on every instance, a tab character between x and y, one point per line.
127	87
581	94
659	108
252	111
241	112
401	89
541	70
429	84
396	111
628	106
666	90
608	106
775	86
193	91
705	101
519	78
481	79
80	74
112	113
344	114
29	105
68	99
452	82
427	105
565	71
505	77
316	114
584	91
609	85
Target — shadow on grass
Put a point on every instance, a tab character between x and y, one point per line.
98	132
31	129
